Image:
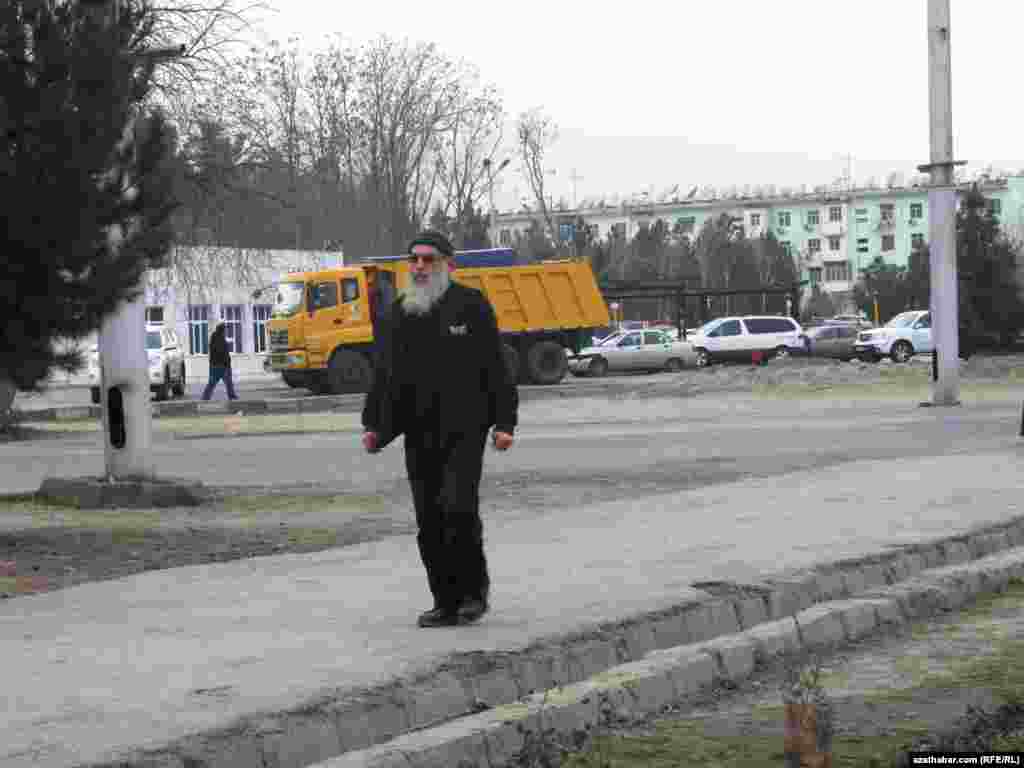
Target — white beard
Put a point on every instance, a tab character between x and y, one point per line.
420	299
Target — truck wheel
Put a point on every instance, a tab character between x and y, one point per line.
546	362
511	361
348	372
294	380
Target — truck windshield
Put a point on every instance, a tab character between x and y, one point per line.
288	299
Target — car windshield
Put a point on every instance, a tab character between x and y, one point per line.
153	340
607	340
288	299
708	327
902	321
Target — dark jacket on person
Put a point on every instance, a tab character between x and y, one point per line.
443	372
220	357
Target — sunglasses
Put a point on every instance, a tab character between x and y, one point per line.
426	258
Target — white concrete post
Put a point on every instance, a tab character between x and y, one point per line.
942	208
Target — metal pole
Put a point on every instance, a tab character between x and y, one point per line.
942	208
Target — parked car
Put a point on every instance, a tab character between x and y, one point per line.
646	350
907	334
736	338
166	359
832	340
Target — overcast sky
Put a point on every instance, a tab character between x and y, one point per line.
648	95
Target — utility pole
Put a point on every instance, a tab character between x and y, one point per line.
124	369
942	209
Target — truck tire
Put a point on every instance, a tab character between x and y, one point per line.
511	361
294	379
348	372
546	362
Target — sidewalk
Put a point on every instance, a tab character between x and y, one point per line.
141	662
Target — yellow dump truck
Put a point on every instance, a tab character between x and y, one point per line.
321	326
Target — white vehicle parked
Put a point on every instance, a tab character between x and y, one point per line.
735	338
645	350
166	364
907	334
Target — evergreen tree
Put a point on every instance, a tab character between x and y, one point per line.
885	282
86	211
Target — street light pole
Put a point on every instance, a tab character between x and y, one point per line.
942	209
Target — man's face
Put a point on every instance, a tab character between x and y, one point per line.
424	260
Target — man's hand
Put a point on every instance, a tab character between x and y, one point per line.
502	441
371	442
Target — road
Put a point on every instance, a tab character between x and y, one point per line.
574	451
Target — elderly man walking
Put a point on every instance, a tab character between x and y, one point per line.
440	379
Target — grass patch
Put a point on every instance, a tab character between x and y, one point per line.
676	743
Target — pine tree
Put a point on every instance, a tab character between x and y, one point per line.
74	176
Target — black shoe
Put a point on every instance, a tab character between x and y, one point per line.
438	617
472	610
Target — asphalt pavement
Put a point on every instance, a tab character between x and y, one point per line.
757	488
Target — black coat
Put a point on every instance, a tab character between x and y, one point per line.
220	357
442	372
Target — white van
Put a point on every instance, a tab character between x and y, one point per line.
735	338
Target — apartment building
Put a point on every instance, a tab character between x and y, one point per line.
833	234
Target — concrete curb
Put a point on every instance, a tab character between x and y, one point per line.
646	687
313	404
428	720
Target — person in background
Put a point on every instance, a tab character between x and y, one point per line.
220	364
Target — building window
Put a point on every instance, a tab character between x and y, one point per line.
155	315
888	242
862	215
231	316
813	218
815	274
917	241
833	242
784	218
260	318
755	219
887	211
862	245
787	247
198	329
505	238
916	211
995	206
835	213
837	273
685	225
814	245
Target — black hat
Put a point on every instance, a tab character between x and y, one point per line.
434	239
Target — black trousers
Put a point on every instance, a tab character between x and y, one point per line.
444	474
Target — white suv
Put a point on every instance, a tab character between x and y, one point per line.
907	334
735	338
166	364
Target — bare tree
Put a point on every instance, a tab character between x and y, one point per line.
536	133
465	153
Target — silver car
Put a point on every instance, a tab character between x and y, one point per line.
646	350
832	340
